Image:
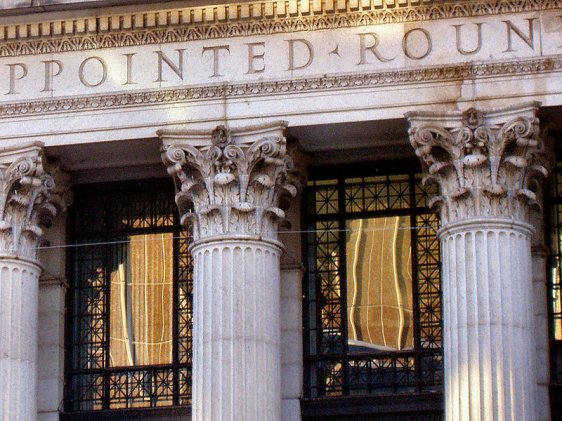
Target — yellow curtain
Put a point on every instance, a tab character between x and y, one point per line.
142	302
379	283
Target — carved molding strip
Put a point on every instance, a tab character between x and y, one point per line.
387	78
236	20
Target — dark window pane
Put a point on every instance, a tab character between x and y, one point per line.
130	300
373	289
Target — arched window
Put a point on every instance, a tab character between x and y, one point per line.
129	300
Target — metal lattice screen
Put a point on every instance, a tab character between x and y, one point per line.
373	293
130	300
555	293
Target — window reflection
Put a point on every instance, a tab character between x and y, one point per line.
379	284
141	301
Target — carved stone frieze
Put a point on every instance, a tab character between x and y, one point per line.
361	80
29	198
233	20
485	163
231	182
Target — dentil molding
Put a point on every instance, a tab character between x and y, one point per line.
238	20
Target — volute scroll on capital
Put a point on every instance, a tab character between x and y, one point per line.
485	163
29	199
231	182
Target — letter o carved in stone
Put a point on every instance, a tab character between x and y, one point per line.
406	46
103	69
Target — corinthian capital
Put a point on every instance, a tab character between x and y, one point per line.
486	163
231	182
27	200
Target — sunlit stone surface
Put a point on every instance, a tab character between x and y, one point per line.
486	165
28	198
238	182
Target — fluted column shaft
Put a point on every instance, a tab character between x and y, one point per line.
231	187
488	333
19	286
488	166
236	345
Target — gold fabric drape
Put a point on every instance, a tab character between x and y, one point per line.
142	302
379	283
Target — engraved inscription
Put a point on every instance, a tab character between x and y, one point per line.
256	55
13	77
308	52
528	38
216	57
50	73
129	58
424	50
102	77
458	34
371	48
560	17
176	68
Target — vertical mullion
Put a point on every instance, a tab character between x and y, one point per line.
343	282
175	317
309	243
319	360
108	260
69	316
552	234
415	283
321	389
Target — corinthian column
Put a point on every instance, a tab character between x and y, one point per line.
27	200
231	189
487	165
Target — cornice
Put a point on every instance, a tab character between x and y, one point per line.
210	92
236	20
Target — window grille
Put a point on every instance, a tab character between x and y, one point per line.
129	301
555	284
372	293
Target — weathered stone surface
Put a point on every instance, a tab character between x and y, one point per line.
488	166
232	189
238	181
28	199
485	164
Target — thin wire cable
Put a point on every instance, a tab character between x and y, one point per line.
116	242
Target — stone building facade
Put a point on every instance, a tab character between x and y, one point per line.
280	210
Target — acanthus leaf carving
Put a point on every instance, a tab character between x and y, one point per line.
234	183
485	164
29	199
